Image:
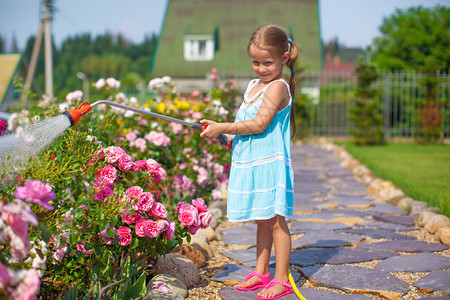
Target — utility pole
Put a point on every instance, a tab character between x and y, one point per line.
44	28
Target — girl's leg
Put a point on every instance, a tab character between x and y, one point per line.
264	242
282	241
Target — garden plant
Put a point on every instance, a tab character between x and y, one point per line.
89	216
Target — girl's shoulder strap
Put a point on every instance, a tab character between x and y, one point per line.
285	83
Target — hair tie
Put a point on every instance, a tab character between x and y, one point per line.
292	70
293	101
289	40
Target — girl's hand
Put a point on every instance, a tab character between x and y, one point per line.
212	129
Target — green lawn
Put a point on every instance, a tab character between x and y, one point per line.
421	171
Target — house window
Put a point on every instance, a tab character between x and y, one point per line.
198	47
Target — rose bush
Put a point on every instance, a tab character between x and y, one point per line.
89	215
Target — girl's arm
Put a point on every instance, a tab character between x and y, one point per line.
275	99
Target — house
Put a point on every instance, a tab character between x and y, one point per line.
198	35
9	65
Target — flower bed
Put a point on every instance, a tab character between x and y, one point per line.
89	215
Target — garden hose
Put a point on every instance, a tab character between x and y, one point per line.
294	287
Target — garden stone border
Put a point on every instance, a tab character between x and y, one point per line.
386	192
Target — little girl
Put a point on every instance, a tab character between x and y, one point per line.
261	176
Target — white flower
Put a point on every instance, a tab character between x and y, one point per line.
155	83
216	103
128	114
100	83
63	107
166	80
133	100
113	83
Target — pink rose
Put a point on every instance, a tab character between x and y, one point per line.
158	210
141	144
124	234
200	204
108	173
176	128
133	192
205	219
182	166
163	225
140	164
126	218
36	191
113	154
101	183
152	165
151	228
145	202
216	194
193	229
170	231
104	193
180	206
195	94
80	247
5	278
131	136
125	163
188	217
139	228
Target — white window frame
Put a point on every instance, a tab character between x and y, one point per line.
199	47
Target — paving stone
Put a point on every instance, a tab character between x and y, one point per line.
437	298
232	273
379	234
245	257
403	220
316	294
230	293
420	262
386	226
309	257
303	227
388	209
334	214
325	239
358	279
351	201
405	246
240	235
438	281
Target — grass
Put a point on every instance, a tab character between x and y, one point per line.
421	171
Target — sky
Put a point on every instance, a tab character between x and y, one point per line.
354	22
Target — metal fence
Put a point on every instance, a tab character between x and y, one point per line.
332	94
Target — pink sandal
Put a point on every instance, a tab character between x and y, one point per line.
273	282
265	280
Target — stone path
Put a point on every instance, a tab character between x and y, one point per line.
345	245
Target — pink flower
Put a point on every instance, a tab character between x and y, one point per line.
124	234
109	173
216	194
195	94
163	225
188	216
101	183
140	164
157	138
205	219
36	191
176	128
4	275
197	115
158	210
133	192
180	206
104	193
214	70
29	287
104	234
141	144
151	228
170	231
126	218
131	136
113	154
126	163
182	166
152	165
80	247
200	204
145	202
143	122
139	228
202	177
193	229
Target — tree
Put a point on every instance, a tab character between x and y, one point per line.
412	38
365	114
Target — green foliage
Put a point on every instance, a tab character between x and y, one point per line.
412	38
365	114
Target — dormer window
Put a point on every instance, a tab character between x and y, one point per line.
199	47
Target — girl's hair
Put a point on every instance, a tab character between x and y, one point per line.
275	40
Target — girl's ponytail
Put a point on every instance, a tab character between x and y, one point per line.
294	52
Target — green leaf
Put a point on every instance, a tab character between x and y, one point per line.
71	294
73	238
138	289
110	233
135	244
45	231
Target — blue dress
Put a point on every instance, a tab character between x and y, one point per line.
261	183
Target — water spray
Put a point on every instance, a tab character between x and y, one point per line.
74	116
